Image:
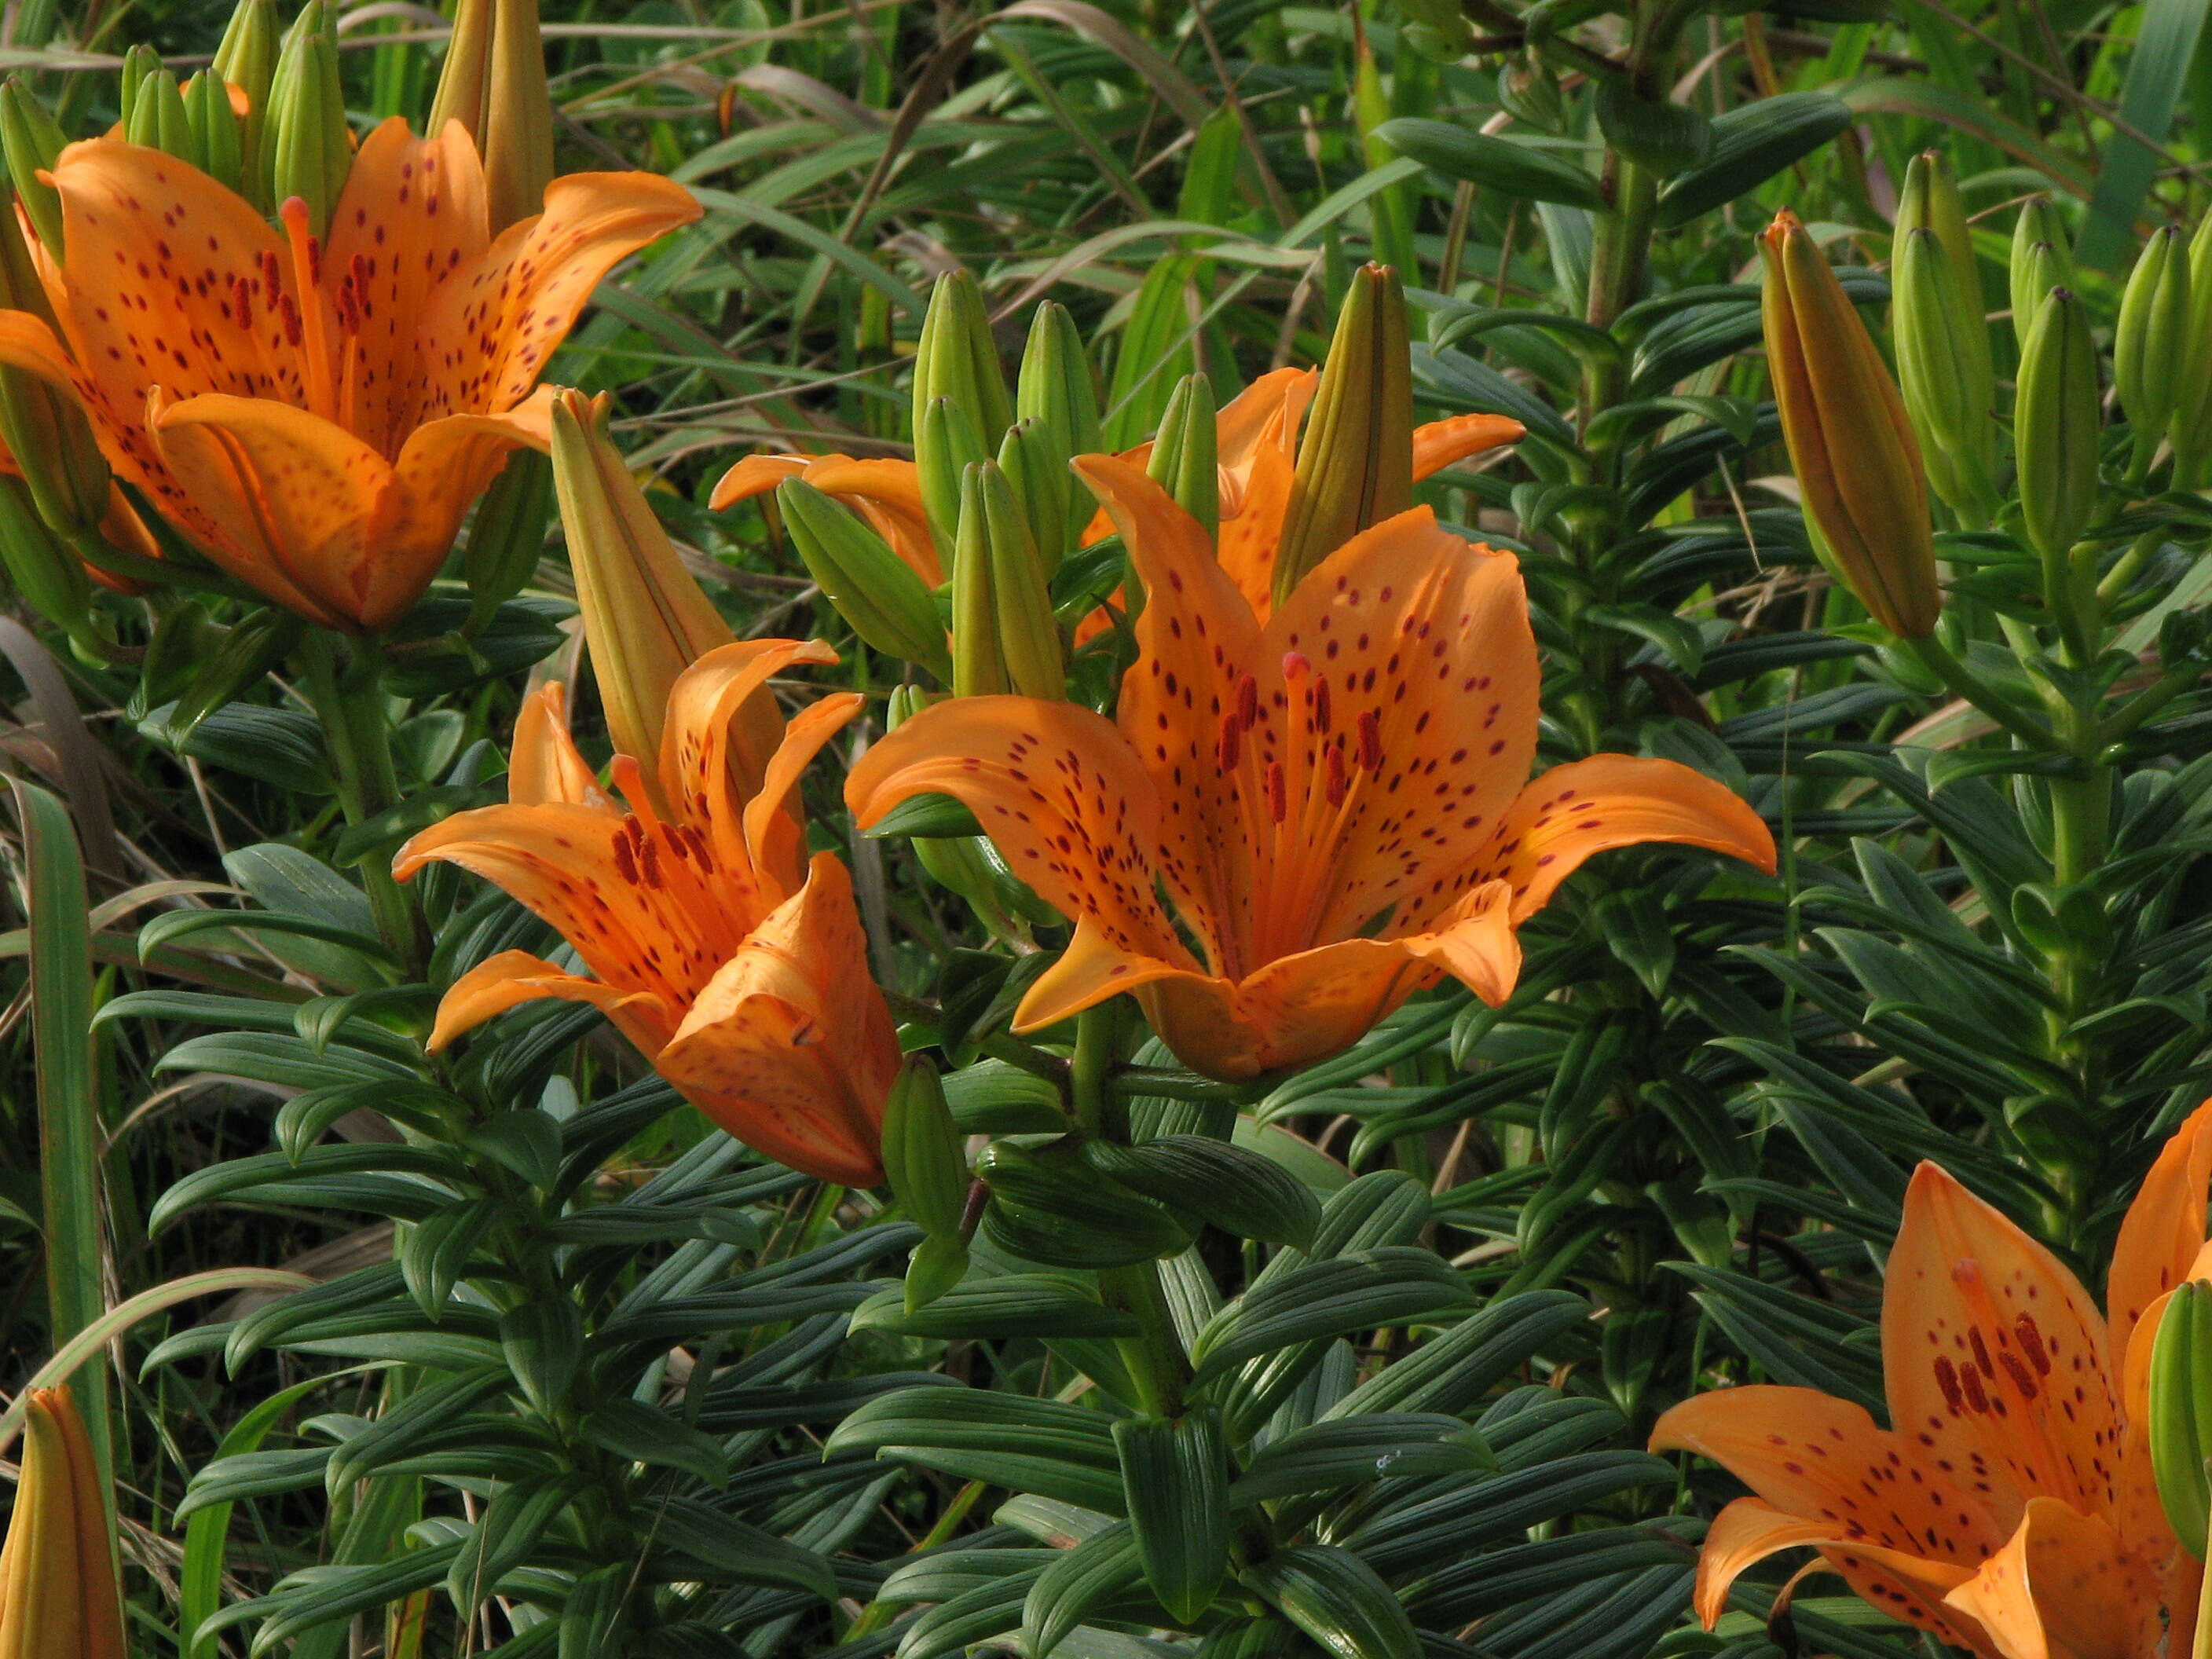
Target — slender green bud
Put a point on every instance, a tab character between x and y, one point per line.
43	426
874	590
247	59
139	63
2040	262
1056	389
493	84
947	443
956	361
2055	423
33	143
158	119
50	577
1037	468
1355	464
2150	345
305	139
2181	1412
507	539
218	136
2190	430
1943	359
1185	455
922	1151
1004	635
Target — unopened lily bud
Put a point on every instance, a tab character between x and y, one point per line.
218	135
308	150
1004	635
2040	261
138	63
2150	343
923	1157
2181	1412
1186	460
493	84
507	538
1946	390
32	143
43	426
48	574
247	59
947	443
1355	465
955	361
157	117
57	1568
1853	451
1036	468
1056	389
874	590
645	620
2056	422
2190	430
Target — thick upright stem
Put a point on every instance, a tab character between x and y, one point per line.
349	702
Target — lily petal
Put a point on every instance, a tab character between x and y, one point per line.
886	494
487	334
2163	1233
1440	444
1910	1587
512	977
1059	790
543	764
444	465
1993	1356
790	1048
293	497
2064	1587
1576	812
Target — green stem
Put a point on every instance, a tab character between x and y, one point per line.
1156	1359
2200	1646
349	702
877	1615
1991	702
1097	1043
2125	569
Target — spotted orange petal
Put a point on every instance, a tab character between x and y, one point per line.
790	1048
1910	1586
513	977
2164	1229
1252	515
1264	416
294	497
1809	1454
444	465
543	764
413	216
1576	812
2065	1587
489	332
1060	790
1423	640
1993	1357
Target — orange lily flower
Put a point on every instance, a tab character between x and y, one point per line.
2010	1509
1257	446
886	494
1362	754
733	963
317	418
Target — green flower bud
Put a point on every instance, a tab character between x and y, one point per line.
218	136
1004	635
956	360
2181	1412
507	538
247	59
2190	430
1036	470
33	143
872	588
1185	455
2056	422
2151	343
305	139
1355	464
947	443
139	63
1056	389
2040	262
923	1155
50	577
157	118
1944	364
